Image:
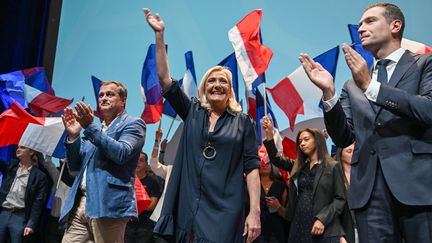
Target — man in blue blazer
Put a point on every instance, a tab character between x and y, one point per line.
387	112
102	198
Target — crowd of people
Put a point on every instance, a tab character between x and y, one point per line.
375	189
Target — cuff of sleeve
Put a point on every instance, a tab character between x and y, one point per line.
329	104
174	86
70	141
89	131
372	91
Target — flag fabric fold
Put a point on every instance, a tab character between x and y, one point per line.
150	88
231	62
296	94
252	56
31	89
43	134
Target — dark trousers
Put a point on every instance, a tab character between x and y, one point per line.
11	226
384	219
138	234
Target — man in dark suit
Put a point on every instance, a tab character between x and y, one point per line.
387	112
22	195
102	198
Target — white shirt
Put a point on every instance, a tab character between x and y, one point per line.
373	89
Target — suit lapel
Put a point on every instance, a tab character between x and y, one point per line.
116	123
404	64
320	171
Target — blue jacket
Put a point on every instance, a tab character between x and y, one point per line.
111	159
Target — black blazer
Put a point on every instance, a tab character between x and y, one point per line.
328	198
329	193
396	130
35	194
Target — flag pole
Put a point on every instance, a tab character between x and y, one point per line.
60	175
265	99
169	129
160	123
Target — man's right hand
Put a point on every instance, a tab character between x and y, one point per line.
318	75
72	127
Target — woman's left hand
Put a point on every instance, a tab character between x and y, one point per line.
252	227
317	228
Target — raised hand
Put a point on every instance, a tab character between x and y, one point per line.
268	127
318	75
84	114
72	127
358	67
159	134
155	21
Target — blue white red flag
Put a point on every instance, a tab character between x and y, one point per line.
43	134
252	56
150	88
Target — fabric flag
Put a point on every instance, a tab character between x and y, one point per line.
231	63
260	113
150	88
43	134
253	58
296	94
189	83
142	198
31	89
96	87
44	104
415	46
357	46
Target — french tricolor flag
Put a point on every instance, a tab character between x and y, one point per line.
252	56
296	94
415	46
30	88
150	89
43	134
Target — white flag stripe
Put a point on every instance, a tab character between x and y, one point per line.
246	68
43	138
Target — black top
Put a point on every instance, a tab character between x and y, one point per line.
272	224
303	220
206	196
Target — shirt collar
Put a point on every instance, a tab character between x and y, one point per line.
25	170
104	126
394	56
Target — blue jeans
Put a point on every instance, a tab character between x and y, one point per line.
12	223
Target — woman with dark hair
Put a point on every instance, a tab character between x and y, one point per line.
316	195
273	201
344	155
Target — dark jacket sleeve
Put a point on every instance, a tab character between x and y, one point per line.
178	100
278	160
335	208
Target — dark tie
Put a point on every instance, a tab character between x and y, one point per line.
382	70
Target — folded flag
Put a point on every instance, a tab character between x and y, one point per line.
231	62
415	46
31	89
43	134
96	87
150	88
296	94
253	58
357	46
142	198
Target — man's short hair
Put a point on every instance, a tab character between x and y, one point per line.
391	13
121	89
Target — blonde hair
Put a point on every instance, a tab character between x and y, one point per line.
232	102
